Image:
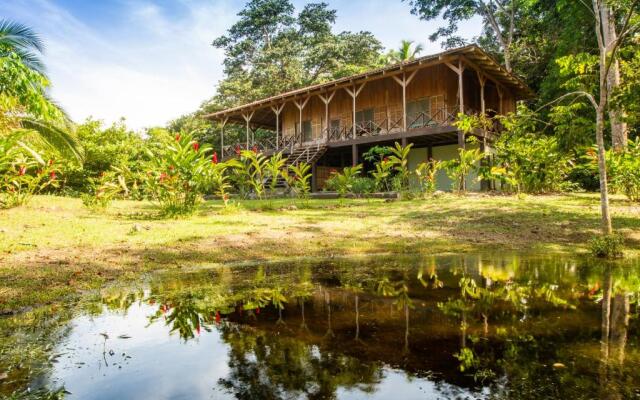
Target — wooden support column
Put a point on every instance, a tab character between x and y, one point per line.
247	118
354	155
429	153
460	71
482	80
277	110
326	100
222	125
500	95
403	142
354	92
300	108
404	82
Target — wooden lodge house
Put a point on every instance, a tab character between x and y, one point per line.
331	125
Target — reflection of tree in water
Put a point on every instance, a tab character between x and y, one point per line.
514	321
265	366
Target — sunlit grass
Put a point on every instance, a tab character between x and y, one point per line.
54	246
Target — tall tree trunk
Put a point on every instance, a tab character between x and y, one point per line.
600	109
602	168
619	130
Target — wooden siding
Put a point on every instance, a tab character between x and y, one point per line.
437	84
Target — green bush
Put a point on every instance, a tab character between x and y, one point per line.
180	173
363	185
342	182
607	246
624	170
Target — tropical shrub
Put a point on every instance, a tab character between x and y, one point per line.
459	168
607	246
383	175
363	185
254	164
342	182
274	168
106	148
23	172
624	170
103	190
179	174
531	162
399	159
426	175
299	180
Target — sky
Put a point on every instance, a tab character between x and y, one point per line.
150	61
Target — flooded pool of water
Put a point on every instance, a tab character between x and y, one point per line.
408	328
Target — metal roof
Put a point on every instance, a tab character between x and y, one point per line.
473	55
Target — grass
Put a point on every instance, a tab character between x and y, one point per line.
54	248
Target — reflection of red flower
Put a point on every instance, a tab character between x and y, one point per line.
198	329
258	310
163	308
237	149
255	149
196	146
217	317
22	170
214	158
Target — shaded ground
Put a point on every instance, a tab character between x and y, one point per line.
54	247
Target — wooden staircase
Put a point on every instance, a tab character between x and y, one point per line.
307	154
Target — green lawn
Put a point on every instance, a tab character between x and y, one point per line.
54	247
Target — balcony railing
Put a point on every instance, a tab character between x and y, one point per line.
290	139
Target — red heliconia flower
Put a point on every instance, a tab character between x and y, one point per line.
218	317
178	137
386	159
255	149
258	310
22	170
52	175
152	302
237	149
163	176
50	162
214	157
171	167
196	146
198	329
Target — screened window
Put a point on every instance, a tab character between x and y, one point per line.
364	116
306	131
418	113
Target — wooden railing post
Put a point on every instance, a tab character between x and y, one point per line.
300	108
404	82
247	118
326	100
223	123
277	111
354	92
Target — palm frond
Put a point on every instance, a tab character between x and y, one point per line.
18	36
60	138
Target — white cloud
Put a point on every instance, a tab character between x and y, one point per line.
152	65
160	67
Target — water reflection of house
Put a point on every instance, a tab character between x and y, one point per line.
331	125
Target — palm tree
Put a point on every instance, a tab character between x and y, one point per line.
23	41
406	52
56	132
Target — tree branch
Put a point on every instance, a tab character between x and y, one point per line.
578	93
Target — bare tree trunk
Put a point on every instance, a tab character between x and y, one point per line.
602	168
619	132
619	326
604	97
